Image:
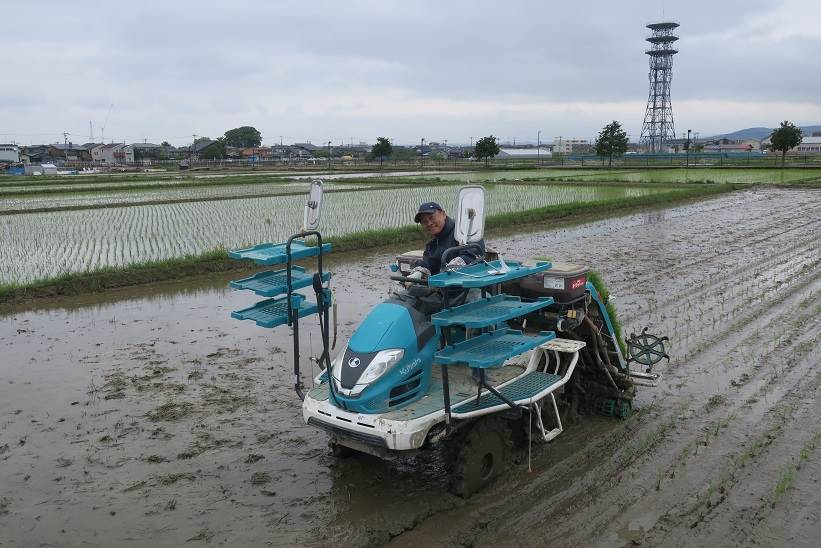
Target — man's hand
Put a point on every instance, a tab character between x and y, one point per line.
458	262
418	273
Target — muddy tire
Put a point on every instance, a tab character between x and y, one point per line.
482	456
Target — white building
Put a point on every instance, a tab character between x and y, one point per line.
809	145
565	146
113	153
9	153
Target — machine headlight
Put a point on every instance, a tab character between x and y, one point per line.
380	364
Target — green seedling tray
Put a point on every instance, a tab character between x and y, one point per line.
274	312
491	349
275	282
270	254
481	274
489	311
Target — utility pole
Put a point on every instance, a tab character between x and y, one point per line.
329	156
687	149
539	147
422	155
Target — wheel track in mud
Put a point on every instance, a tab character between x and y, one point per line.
596	488
595	492
787	275
767	392
730	277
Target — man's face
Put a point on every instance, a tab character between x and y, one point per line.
433	223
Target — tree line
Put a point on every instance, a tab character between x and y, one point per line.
612	141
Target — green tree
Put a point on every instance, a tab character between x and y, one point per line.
784	138
382	149
215	151
612	140
486	148
244	137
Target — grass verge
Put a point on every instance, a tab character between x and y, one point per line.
218	261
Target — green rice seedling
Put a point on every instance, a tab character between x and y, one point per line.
784	483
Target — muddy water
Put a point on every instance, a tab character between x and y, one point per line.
148	416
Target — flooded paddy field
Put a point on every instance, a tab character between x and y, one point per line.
96	199
148	417
37	245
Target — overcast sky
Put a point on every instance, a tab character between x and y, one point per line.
354	70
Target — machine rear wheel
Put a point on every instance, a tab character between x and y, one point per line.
482	456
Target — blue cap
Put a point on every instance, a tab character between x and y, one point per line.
427	207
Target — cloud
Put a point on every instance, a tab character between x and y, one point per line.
325	70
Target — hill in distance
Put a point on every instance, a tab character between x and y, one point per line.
760	133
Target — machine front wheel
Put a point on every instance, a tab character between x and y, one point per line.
341	451
482	455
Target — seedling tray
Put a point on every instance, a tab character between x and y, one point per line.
487	312
274	312
270	254
275	282
481	275
491	349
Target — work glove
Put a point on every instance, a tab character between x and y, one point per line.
418	273
458	262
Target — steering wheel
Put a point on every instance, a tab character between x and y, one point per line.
472	248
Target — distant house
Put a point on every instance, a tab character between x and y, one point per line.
733	146
112	153
9	153
260	153
69	152
35	154
145	153
307	147
199	147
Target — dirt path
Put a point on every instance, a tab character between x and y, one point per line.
149	417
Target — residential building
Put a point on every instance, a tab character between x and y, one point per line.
9	153
307	147
145	153
563	145
35	154
809	145
112	153
69	152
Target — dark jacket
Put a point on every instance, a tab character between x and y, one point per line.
432	257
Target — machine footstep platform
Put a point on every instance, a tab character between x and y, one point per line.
530	385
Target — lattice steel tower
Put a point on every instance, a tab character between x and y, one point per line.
658	129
